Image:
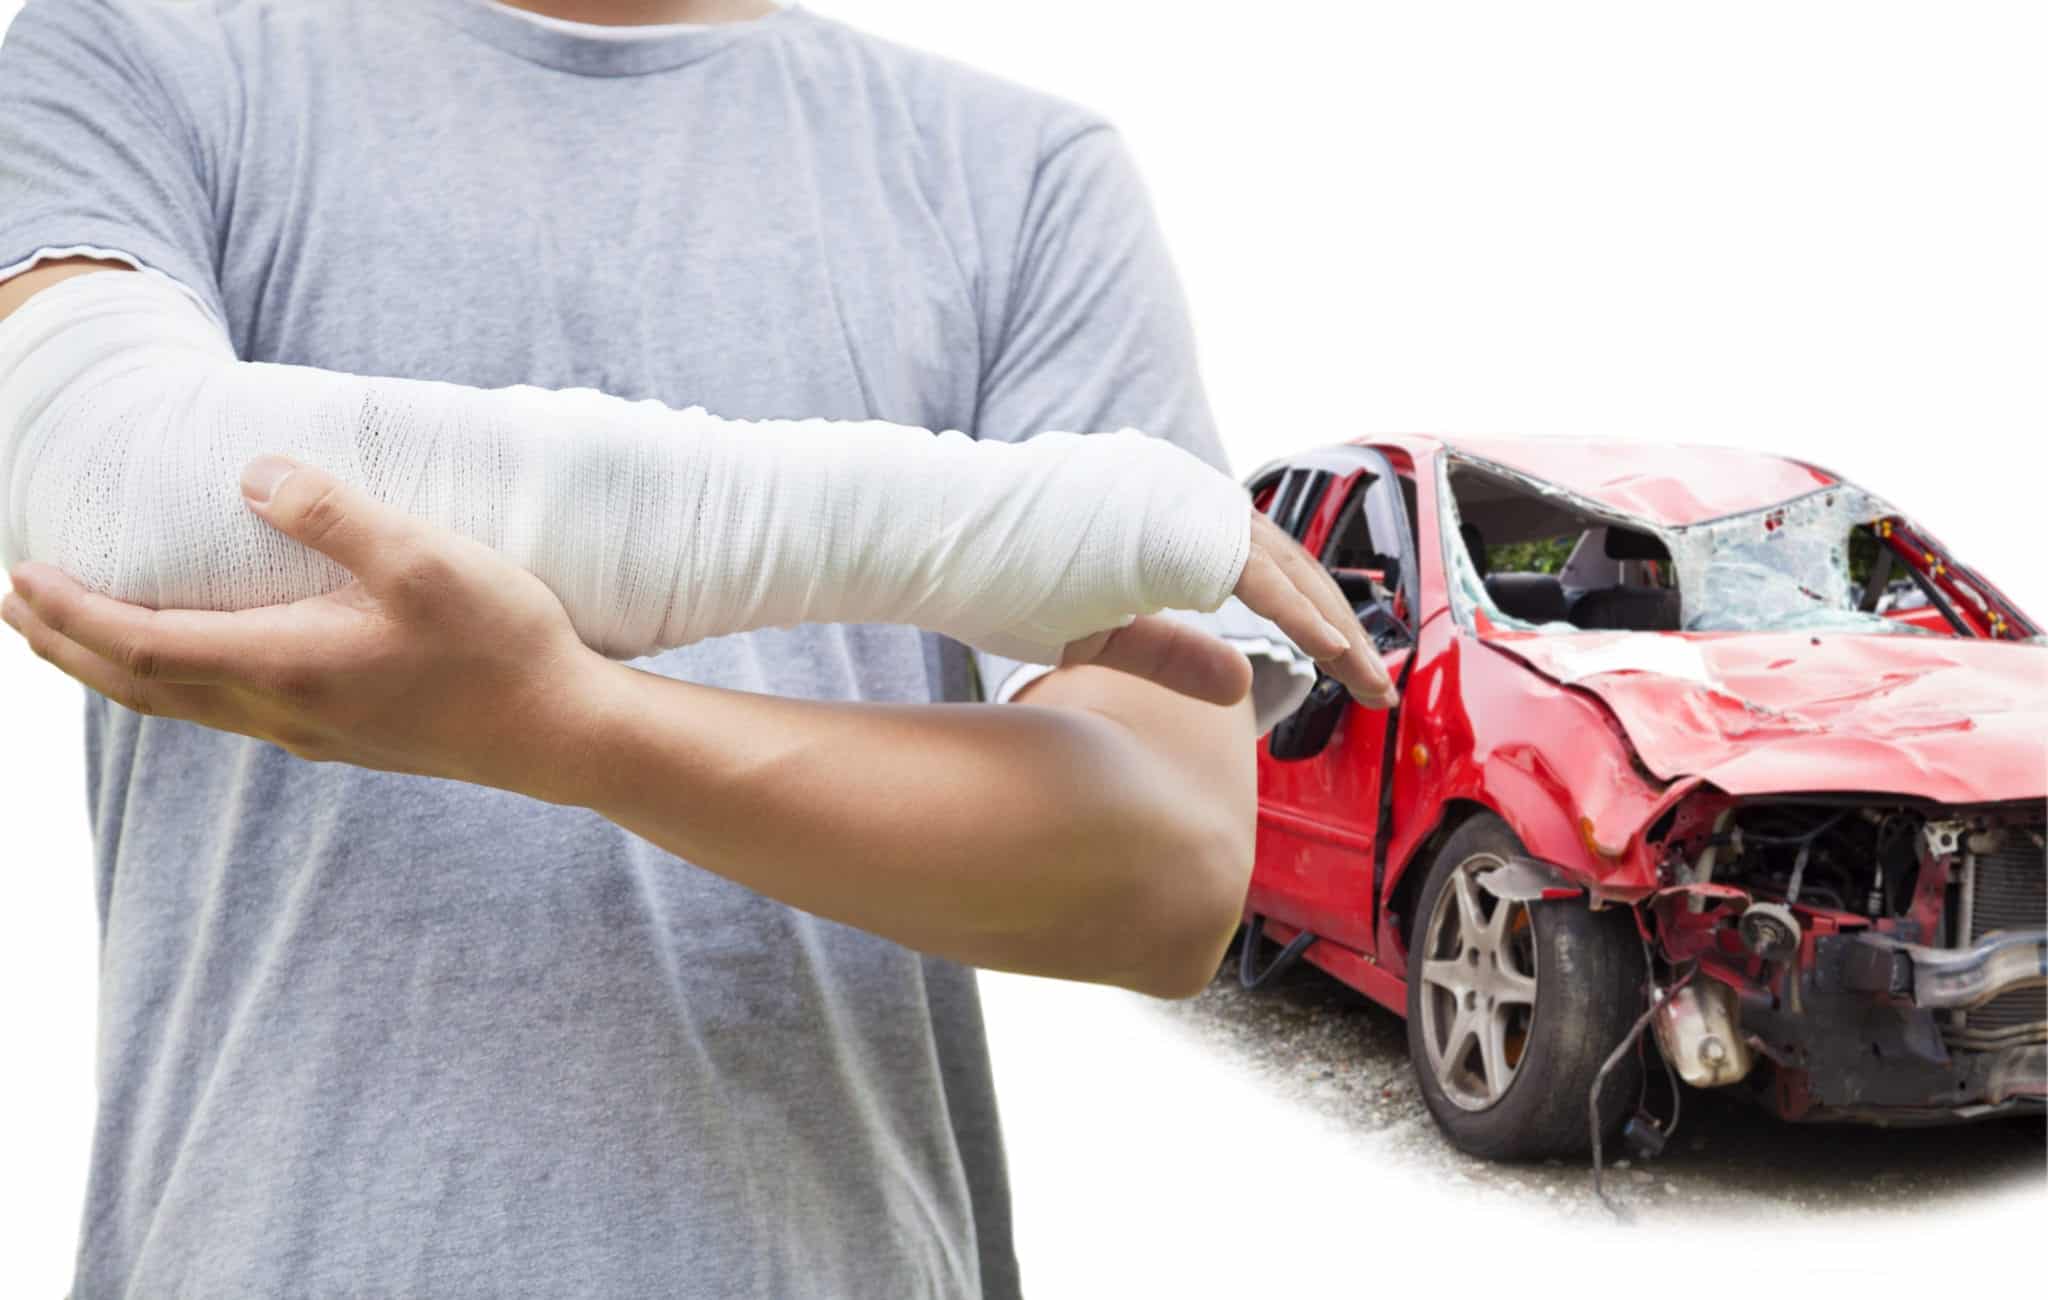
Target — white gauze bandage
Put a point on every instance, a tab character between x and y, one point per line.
125	420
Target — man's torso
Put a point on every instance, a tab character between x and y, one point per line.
373	1034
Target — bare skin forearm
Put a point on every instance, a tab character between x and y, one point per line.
1102	834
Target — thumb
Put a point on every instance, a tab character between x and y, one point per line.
313	507
1169	654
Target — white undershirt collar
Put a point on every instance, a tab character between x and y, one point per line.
598	31
598	49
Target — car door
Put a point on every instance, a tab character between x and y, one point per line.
1320	813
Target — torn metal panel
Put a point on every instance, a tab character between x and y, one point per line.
1523	879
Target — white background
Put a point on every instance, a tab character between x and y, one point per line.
1814	227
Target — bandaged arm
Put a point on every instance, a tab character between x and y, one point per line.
125	419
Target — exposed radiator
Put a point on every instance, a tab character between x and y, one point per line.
2011	894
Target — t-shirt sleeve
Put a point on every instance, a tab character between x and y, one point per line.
101	150
1094	335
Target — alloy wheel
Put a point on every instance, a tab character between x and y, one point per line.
1479	988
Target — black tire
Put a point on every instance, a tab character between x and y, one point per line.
1588	970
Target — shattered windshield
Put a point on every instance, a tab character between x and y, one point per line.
1784	569
1536	558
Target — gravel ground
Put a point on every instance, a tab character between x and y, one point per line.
1322	1045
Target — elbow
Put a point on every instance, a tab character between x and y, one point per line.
1189	907
1157	857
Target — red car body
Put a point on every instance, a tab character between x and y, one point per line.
1624	760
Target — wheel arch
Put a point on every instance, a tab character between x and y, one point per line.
1542	824
1409	871
1495	736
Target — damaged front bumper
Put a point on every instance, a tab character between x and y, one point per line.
1875	1030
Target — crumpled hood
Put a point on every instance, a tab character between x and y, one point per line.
1953	720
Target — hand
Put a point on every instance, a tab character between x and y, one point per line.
440	658
1280	581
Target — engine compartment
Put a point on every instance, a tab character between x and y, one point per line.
1863	861
1844	931
1903	867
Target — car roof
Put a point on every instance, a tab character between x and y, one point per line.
1663	483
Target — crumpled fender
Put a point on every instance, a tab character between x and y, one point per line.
1479	728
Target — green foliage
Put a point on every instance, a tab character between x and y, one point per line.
1546	555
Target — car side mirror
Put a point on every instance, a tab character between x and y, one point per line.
1306	732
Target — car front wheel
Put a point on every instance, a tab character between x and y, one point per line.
1513	1007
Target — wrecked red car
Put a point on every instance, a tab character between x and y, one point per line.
1705	760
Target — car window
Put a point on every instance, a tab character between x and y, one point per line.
1351	544
1288	497
1536	558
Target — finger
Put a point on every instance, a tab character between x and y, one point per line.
160	698
1313	581
349	526
1268	591
1363	675
178	646
1358	665
1170	654
1366	678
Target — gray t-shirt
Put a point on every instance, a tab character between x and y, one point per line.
369	1034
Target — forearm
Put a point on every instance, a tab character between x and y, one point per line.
124	418
1106	843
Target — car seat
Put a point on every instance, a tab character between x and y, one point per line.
1630	609
1531	597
